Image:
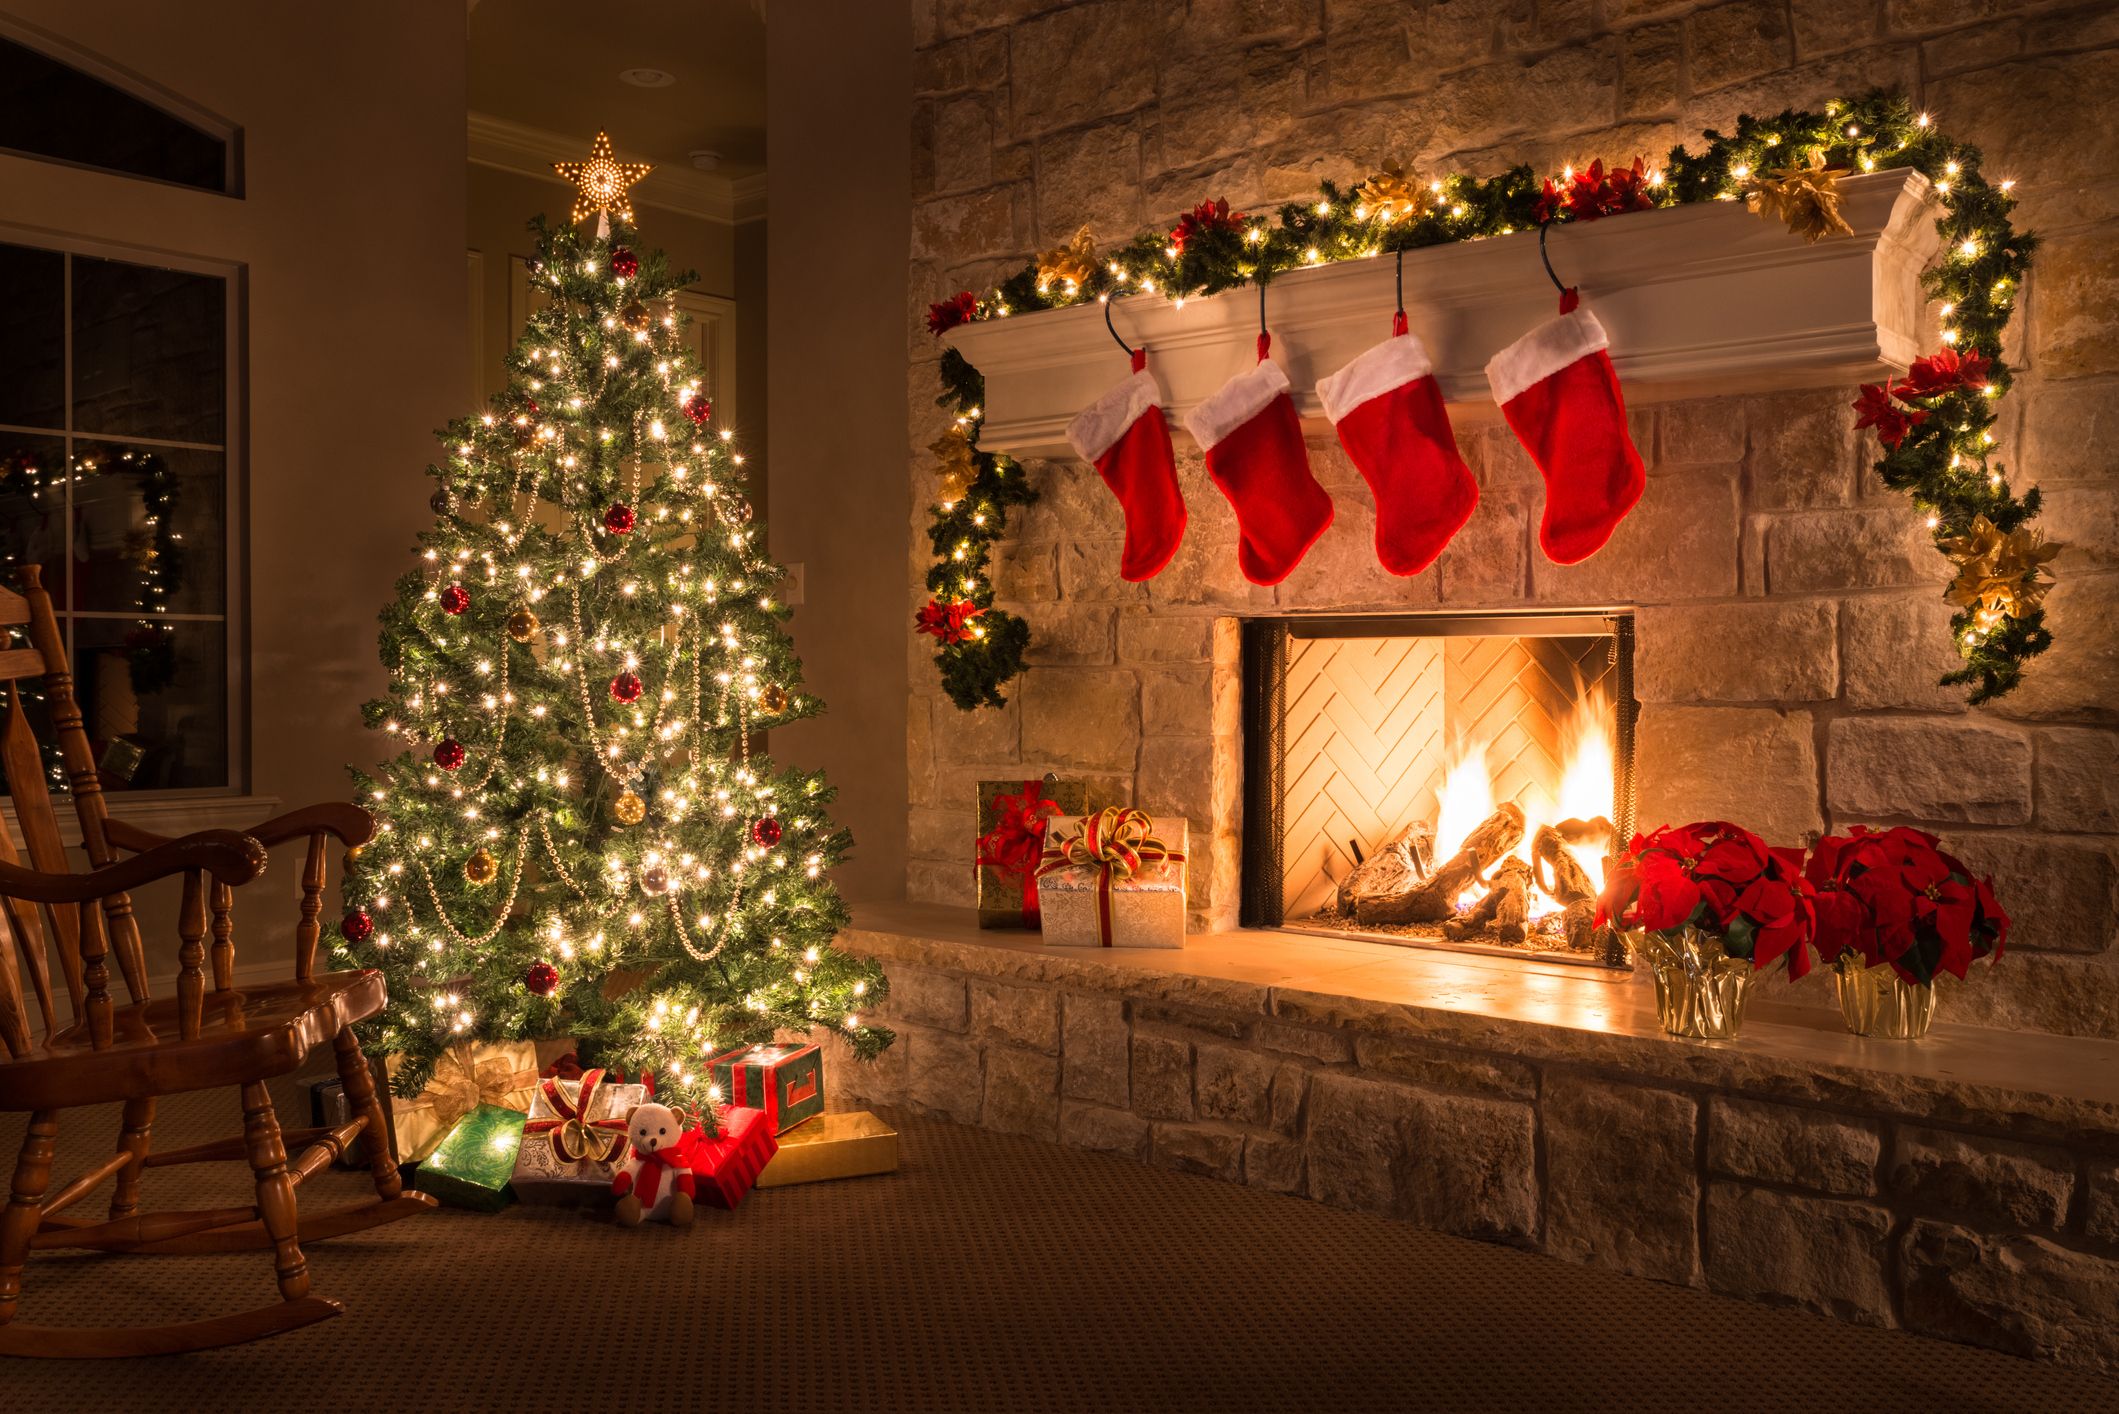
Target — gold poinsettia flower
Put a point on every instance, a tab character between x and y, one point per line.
953	450
1804	198
1999	574
1391	194
1068	266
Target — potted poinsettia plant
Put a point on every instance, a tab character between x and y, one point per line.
1895	909
1708	906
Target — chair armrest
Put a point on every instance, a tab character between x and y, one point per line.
349	824
229	857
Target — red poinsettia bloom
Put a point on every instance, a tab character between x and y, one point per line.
1594	192
960	308
1723	880
1204	219
1891	421
1896	896
951	622
1944	372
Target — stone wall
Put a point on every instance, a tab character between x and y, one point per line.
1935	1208
1790	628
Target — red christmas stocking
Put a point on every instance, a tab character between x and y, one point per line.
1557	389
1255	454
1124	434
1389	416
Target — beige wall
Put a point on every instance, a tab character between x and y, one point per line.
349	235
840	201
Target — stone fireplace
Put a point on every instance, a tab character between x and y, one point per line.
1439	780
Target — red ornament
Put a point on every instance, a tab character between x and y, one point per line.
698	407
542	979
455	599
765	832
618	519
626	687
624	264
529	405
449	754
357	926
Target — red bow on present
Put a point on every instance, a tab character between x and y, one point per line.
573	1136
1017	840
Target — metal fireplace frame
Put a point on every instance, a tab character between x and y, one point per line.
1265	669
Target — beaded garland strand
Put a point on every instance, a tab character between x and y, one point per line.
603	754
1942	458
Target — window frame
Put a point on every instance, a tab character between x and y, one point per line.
147	91
178	805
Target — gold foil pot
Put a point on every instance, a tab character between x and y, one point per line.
1878	1002
1700	991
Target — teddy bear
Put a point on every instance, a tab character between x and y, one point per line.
657	1181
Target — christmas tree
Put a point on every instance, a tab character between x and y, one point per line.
580	837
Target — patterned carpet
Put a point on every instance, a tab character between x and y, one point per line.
990	1273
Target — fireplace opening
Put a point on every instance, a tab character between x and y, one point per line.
1449	781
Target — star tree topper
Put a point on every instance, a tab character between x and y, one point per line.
600	183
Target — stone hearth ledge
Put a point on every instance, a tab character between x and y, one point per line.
2030	1085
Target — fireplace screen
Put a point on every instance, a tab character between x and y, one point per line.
1440	781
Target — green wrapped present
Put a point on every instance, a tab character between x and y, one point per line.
471	1166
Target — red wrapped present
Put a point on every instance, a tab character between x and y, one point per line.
725	1166
787	1082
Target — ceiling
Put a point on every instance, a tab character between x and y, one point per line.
554	64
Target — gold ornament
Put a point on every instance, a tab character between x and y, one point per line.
957	469
634	316
775	700
481	868
1390	194
1068	266
1805	199
600	183
630	809
1999	575
523	625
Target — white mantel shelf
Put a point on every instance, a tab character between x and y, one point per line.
1698	299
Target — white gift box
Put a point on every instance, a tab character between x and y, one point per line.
544	1175
1087	906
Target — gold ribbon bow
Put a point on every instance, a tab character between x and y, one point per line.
574	1136
465	1078
1117	842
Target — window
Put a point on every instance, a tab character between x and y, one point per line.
115	442
63	112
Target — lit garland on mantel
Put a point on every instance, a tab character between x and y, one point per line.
1936	426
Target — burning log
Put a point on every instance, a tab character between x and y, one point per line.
1559	874
1504	912
1398	868
1435	898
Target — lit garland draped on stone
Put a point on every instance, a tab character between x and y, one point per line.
1938	448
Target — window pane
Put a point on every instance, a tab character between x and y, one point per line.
48	109
147	529
155	701
150	352
33	509
32	328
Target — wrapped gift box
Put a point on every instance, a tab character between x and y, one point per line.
1115	879
500	1073
471	1166
787	1082
1012	820
841	1145
725	1166
571	1149
328	1109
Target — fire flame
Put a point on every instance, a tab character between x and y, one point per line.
1583	792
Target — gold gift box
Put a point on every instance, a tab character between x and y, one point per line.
1147	910
467	1075
844	1144
1000	892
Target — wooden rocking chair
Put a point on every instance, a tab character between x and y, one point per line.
200	1039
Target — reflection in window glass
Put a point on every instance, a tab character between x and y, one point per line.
33	318
124	507
50	109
